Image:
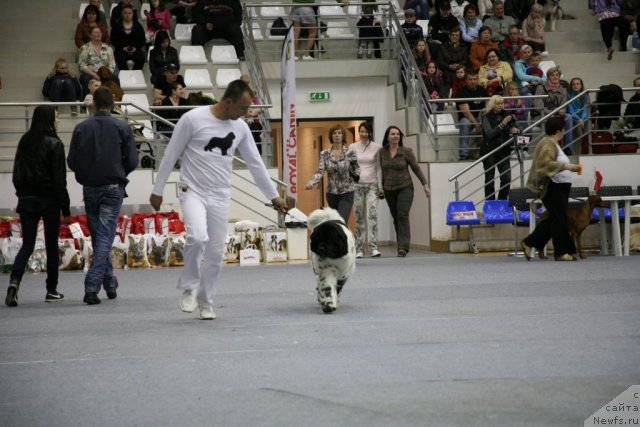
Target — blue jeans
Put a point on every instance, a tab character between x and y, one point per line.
63	90
465	131
102	205
421	7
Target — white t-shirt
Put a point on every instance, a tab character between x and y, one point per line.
370	170
562	177
200	138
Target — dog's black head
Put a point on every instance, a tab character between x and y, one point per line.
222	143
328	240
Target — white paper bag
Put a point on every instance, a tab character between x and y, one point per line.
250	256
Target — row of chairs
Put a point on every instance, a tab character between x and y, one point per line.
517	211
193	79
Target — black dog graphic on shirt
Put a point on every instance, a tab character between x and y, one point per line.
222	143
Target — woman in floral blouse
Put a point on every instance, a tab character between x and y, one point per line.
94	55
397	184
343	172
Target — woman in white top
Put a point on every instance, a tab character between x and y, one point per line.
366	191
550	179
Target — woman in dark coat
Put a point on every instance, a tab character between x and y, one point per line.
128	40
40	180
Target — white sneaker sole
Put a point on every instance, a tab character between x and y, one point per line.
188	303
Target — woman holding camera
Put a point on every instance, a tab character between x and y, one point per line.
497	127
343	172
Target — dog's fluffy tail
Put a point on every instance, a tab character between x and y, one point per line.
319	216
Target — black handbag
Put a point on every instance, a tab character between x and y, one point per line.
279	27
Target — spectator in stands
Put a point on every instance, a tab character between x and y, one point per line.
434	84
468	112
395	161
370	32
162	86
128	41
101	154
303	16
421	6
176	99
557	95
517	108
87	23
101	16
40	180
218	19
528	60
470	24
182	10
510	46
440	26
550	180
632	112
485	9
61	85
630	15
412	31
93	55
499	22
88	100
608	13
452	55
116	13
158	19
421	56
458	7
579	107
533	29
161	55
367	191
497	127
341	165
459	81
495	73
479	48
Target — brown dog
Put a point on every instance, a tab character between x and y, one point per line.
107	81
579	218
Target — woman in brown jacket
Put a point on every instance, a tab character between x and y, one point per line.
550	179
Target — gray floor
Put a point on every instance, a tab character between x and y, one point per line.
429	340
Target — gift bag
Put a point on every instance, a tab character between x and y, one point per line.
250	255
70	258
119	253
232	247
10	248
37	262
176	250
86	248
274	245
158	250
137	251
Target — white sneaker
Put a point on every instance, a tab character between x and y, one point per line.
308	58
359	255
206	312
188	300
375	253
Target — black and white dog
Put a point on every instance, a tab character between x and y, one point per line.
552	11
333	255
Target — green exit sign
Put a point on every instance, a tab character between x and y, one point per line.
319	96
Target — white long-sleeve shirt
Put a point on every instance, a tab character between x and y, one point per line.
208	172
370	170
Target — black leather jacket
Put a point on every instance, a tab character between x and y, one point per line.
495	133
40	172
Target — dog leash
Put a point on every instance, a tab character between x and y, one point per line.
302	224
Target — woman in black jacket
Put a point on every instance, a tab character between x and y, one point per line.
497	127
162	54
40	180
128	40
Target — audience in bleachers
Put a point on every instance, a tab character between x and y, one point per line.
128	39
533	29
61	85
161	55
90	19
452	55
494	74
158	19
162	86
421	6
370	32
434	84
116	13
485	9
468	113
470	23
440	25
608	13
499	22
510	47
421	56
412	31
459	81
579	107
557	95
458	7
479	48
182	10
88	99
218	19
94	55
175	99
528	60
101	15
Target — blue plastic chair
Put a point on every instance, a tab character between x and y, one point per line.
463	212
497	212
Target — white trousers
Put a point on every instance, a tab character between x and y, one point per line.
206	224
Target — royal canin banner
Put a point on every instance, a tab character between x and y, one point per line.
289	122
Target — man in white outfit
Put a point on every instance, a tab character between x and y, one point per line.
206	138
